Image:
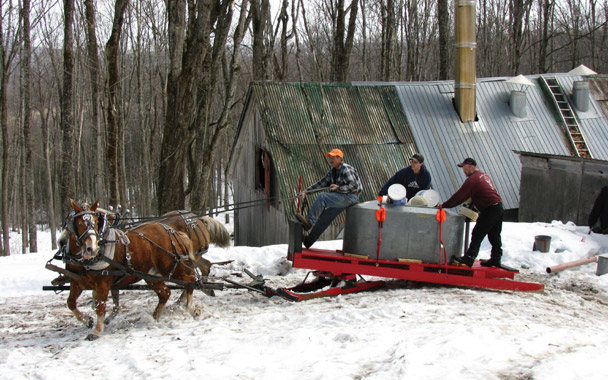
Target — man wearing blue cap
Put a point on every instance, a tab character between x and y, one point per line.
480	188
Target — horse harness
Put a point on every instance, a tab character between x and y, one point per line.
111	236
193	228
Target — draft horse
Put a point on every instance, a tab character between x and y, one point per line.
150	251
201	230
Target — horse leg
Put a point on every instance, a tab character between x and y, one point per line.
204	266
163	292
187	294
116	305
75	292
101	296
194	311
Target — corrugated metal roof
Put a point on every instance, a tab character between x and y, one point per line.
380	125
303	121
593	121
491	140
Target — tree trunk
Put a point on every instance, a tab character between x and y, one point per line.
194	64
94	72
5	157
519	10
177	135
208	136
44	124
260	22
443	21
388	39
66	184
343	39
281	66
114	107
8	49
27	109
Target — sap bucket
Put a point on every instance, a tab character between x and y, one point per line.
542	243
602	265
397	193
431	196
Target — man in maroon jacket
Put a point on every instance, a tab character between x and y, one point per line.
479	187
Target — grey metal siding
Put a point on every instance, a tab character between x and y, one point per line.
491	140
593	123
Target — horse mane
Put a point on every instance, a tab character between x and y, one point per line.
218	234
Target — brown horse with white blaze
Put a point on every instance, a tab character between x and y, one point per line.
152	251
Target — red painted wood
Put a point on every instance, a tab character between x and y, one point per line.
477	277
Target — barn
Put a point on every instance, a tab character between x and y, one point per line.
285	129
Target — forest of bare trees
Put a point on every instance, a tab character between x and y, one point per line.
136	102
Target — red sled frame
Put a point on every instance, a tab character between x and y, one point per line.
334	267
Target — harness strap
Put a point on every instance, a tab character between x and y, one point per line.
151	277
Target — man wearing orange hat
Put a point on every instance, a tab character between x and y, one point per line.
344	185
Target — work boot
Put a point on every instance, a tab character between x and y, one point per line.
305	222
308	242
466	260
492	262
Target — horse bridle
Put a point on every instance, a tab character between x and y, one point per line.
87	218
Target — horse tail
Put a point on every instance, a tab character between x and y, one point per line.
218	234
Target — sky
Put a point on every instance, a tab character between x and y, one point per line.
406	330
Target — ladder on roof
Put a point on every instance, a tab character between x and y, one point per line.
573	130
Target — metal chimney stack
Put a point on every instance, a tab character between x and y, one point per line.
465	81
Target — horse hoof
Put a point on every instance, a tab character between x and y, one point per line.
92	337
91	322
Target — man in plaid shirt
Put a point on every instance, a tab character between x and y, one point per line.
344	185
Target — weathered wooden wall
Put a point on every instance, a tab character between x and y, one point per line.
559	188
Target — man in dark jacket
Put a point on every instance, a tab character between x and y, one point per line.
415	178
600	211
480	188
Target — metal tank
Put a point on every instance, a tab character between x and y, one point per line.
408	232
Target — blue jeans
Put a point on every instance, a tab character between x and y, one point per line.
325	209
330	200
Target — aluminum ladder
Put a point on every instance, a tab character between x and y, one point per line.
568	119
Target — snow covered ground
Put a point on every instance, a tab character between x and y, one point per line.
405	331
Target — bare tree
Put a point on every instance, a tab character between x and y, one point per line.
9	41
194	59
94	67
208	138
545	17
343	37
27	142
519	11
67	182
389	25
113	108
281	62
261	30
443	21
